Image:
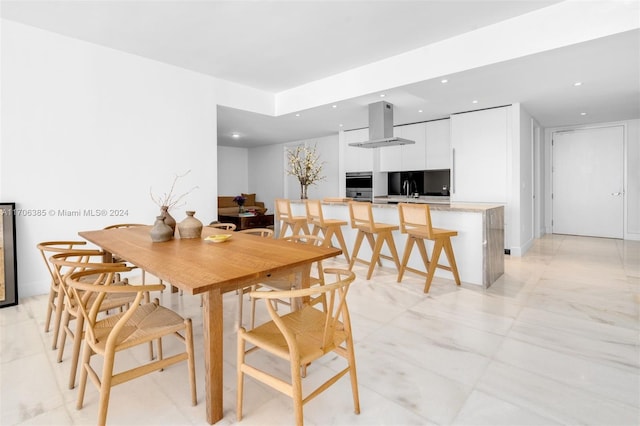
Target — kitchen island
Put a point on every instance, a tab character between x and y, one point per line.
478	247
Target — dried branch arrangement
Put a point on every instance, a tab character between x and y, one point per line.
168	199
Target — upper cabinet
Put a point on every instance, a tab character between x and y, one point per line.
438	146
479	142
357	159
413	155
431	150
391	156
405	157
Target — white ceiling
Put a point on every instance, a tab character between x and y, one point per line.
278	45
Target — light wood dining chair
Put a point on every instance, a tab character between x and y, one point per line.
55	303
287	282
301	337
286	219
260	232
361	215
64	265
227	226
415	221
330	227
140	324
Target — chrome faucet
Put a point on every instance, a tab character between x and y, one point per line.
406	188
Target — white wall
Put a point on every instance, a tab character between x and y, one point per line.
539	172
267	175
632	192
233	170
86	127
525	230
266	165
631	175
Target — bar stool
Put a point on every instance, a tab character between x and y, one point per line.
288	220
415	221
377	234
329	227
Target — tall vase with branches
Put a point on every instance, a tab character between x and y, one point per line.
304	163
169	200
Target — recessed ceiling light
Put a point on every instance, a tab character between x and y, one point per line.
235	135
444	80
334	106
583	113
419	110
340	125
577	83
297	115
382	95
474	101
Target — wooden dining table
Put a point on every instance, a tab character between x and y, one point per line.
198	266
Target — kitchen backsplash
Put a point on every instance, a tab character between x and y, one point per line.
425	182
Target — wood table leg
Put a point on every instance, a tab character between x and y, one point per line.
302	281
212	323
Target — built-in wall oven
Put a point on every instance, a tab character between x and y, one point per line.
359	186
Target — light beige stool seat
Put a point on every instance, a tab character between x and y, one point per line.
377	234
415	221
329	227
287	220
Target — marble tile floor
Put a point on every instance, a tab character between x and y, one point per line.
554	341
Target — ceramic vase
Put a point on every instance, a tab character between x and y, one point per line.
168	219
190	227
160	231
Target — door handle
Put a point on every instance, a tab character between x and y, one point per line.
617	194
453	170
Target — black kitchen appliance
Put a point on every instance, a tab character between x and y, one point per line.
359	186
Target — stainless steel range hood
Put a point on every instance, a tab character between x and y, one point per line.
381	128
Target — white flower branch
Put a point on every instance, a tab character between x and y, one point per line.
304	164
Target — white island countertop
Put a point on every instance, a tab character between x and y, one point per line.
436	203
478	247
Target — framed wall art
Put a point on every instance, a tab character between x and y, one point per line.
8	270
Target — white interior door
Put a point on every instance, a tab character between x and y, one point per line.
588	195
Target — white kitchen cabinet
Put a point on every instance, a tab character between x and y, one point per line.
479	143
357	159
438	144
405	157
391	156
414	155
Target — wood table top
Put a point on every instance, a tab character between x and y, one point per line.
197	265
